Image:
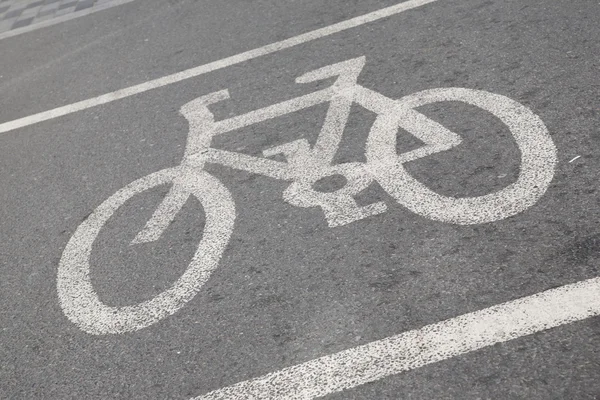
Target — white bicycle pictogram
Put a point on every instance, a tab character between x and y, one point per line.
304	166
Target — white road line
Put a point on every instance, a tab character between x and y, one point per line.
430	344
212	66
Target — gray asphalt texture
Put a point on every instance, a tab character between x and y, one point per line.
289	288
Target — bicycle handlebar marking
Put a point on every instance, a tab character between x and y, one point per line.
304	166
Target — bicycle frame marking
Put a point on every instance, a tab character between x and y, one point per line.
303	167
306	165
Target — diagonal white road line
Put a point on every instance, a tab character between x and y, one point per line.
212	66
417	348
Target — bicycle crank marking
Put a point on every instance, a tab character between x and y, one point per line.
304	165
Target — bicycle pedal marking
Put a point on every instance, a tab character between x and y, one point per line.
303	167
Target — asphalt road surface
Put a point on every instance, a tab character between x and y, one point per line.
417	219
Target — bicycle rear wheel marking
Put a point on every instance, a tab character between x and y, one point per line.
77	296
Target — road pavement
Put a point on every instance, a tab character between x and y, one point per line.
289	288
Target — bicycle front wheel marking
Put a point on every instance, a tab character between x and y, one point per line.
538	160
77	296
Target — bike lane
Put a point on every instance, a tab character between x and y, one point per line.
289	288
140	41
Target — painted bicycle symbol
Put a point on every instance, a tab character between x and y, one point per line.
304	166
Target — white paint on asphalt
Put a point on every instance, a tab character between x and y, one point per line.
373	361
413	349
304	166
163	216
536	170
213	66
79	300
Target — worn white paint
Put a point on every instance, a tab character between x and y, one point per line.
359	365
304	166
538	155
79	300
213	66
413	349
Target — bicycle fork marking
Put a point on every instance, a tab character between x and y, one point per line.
304	166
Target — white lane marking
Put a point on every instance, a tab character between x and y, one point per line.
212	66
574	158
62	18
417	348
